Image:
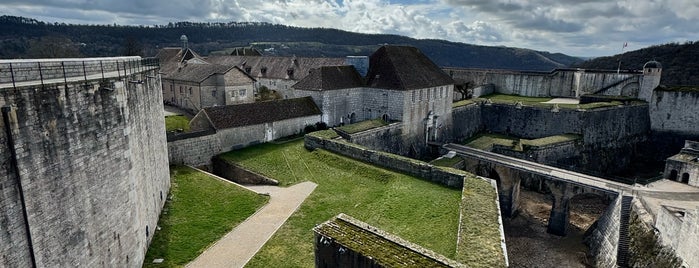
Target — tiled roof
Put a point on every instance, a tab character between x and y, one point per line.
248	114
294	68
171	57
329	78
197	72
404	68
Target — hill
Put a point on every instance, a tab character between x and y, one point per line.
24	38
679	62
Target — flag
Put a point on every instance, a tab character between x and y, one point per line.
626	44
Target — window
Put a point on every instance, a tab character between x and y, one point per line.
420	95
263	70
213	93
434	93
290	72
413	96
441	92
190	90
248	69
241	92
172	88
181	90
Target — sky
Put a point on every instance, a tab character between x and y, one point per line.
586	28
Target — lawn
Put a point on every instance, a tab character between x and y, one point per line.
200	211
539	102
175	122
416	210
362	126
486	141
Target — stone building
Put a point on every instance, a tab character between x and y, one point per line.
684	167
402	84
238	126
276	73
197	86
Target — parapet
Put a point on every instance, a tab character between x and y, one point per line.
346	242
691	147
29	72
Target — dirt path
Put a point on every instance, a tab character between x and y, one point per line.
236	248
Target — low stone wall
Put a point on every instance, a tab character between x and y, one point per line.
549	154
603	241
195	150
467	121
449	177
238	174
387	138
679	229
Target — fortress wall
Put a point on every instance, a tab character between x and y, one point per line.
93	169
530	122
467	121
680	233
13	235
557	83
675	111
604	238
444	176
387	138
31	70
194	151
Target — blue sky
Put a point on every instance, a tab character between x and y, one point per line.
574	27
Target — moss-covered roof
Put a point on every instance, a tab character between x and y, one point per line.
362	126
386	249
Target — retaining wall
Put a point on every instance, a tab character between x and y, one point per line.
603	241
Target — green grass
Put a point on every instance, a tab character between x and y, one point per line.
502	98
362	126
486	141
416	210
446	162
461	103
325	134
201	211
175	122
480	238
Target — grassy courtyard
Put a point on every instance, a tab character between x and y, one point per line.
419	211
202	209
486	141
175	122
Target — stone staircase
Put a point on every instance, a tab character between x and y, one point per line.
623	247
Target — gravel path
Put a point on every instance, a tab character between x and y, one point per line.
236	248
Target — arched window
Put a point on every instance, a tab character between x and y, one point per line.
385	117
685	178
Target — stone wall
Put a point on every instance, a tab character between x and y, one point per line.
675	111
549	154
603	240
679	229
238	174
196	149
449	177
387	138
467	121
93	171
557	83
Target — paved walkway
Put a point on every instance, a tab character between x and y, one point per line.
240	245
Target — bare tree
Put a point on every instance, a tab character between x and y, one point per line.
53	46
132	47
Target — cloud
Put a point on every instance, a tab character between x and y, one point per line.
585	27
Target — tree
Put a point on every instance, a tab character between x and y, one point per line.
132	47
53	46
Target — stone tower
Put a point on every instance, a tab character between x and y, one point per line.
652	71
184	41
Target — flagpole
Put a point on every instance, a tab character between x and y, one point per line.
618	68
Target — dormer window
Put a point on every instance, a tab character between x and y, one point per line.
290	72
248	69
263	70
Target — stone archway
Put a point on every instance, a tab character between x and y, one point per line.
673	175
685	178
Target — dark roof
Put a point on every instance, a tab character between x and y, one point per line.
404	68
329	78
247	114
652	64
245	51
276	67
197	72
171	57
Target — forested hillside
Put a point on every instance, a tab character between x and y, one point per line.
28	38
680	65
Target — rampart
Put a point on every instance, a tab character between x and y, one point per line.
556	83
86	170
446	176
